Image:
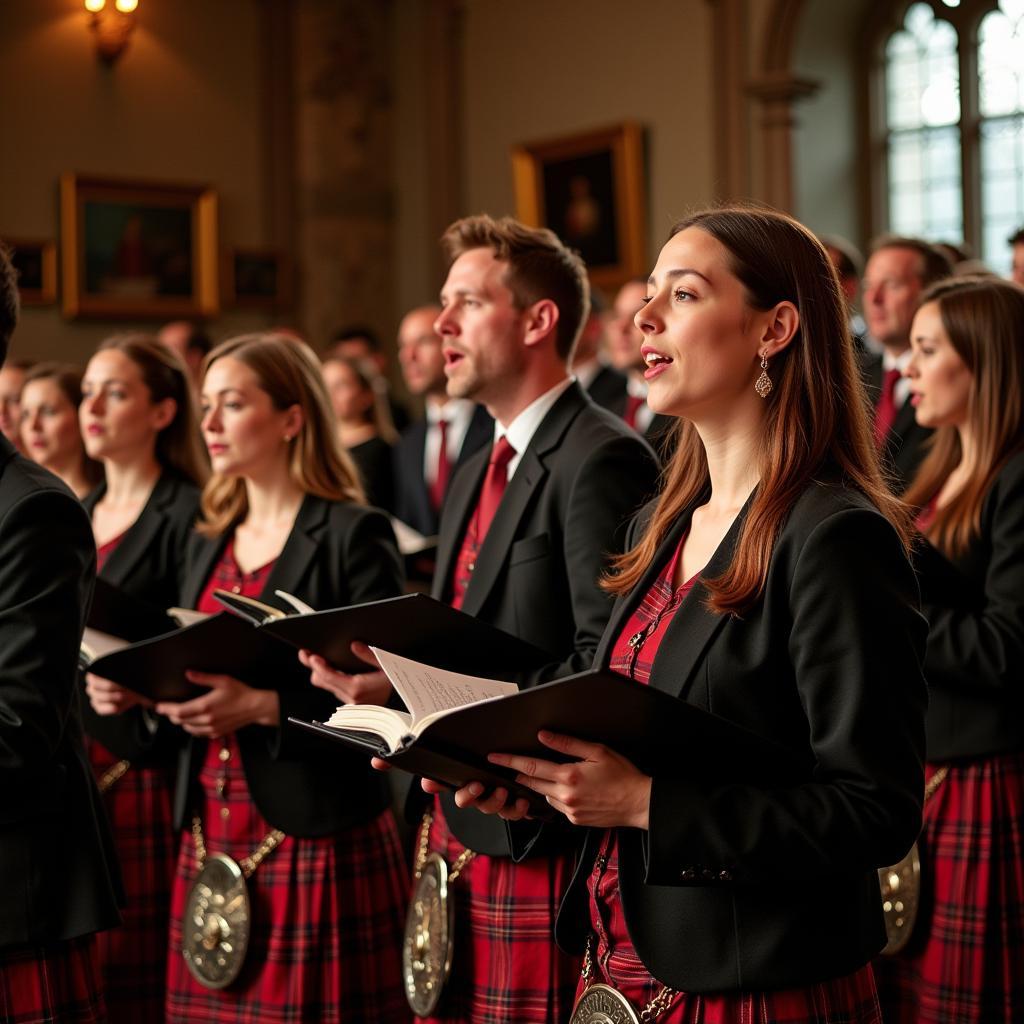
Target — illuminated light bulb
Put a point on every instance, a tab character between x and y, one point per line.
93	6
126	6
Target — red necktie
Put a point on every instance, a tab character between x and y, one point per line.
632	408
487	504
444	468
885	411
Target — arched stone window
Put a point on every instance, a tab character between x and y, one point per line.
949	114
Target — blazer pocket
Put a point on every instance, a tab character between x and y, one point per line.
528	549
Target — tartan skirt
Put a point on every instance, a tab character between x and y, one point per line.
505	965
847	1000
133	958
327	918
58	984
965	961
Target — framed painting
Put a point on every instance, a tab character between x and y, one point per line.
256	279
589	190
35	263
144	250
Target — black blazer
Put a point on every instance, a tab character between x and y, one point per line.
59	871
148	565
337	554
660	432
905	445
412	499
565	511
746	887
975	611
373	460
608	389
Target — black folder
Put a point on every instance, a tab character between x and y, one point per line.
113	612
414	625
222	643
655	731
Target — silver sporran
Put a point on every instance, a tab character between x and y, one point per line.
602	1004
427	947
215	925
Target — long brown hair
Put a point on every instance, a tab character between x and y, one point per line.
179	446
371	381
68	380
289	373
984	320
816	417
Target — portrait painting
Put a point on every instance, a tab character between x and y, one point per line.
588	189
138	249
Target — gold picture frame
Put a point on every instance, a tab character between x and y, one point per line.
35	263
138	249
589	189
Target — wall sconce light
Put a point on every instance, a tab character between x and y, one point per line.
113	25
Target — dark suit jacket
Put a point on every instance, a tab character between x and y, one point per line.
767	887
337	554
564	513
56	859
975	611
905	443
608	389
373	460
659	434
412	499
148	565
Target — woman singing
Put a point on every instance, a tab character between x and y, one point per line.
967	381
769	585
284	511
138	421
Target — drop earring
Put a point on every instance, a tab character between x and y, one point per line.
763	384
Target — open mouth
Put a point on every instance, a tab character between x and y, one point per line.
452	357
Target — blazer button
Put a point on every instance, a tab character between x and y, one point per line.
471	567
688	875
725	876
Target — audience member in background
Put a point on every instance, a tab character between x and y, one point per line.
431	449
602	382
364	424
1016	243
849	264
284	511
57	863
138	419
190	342
898	270
624	341
50	432
358	341
967	380
12	377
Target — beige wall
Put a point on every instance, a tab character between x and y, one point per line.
182	104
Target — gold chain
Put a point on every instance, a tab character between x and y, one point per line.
271	841
935	781
654	1009
424	847
112	774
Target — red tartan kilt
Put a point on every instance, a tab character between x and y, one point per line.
327	921
849	1000
57	984
965	961
133	957
506	966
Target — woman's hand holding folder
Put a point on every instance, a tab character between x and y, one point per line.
358	688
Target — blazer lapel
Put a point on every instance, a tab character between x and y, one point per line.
202	557
140	535
299	551
458	506
694	626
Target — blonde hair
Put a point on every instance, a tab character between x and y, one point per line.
288	371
